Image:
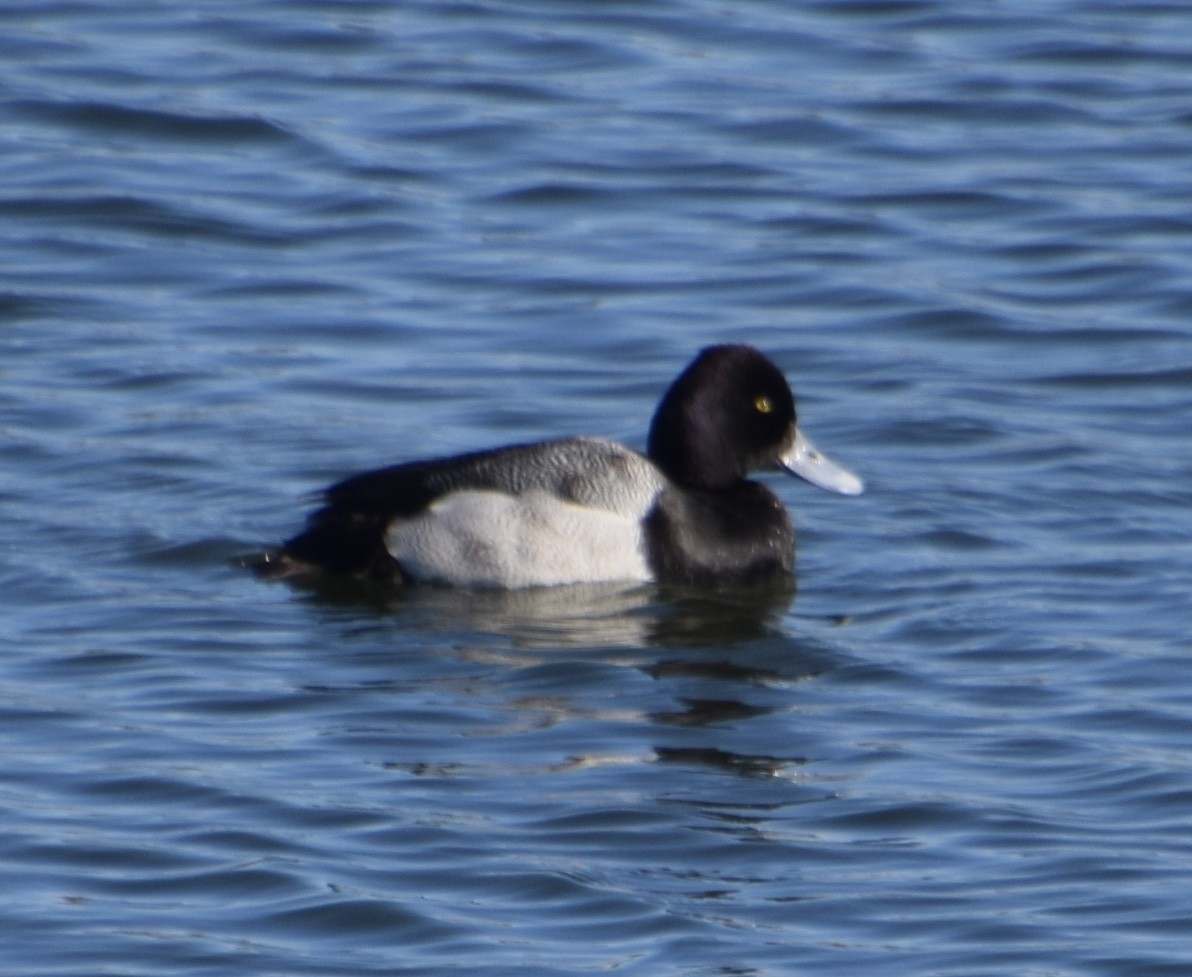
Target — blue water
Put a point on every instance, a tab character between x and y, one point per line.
246	249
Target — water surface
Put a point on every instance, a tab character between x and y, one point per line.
249	249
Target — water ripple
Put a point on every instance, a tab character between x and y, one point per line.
249	250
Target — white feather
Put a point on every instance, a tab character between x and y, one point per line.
492	539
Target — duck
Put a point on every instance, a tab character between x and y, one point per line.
583	509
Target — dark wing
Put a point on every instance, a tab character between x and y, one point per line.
347	535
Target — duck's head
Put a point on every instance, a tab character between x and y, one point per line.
731	412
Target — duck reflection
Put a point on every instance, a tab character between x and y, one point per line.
743	764
588	616
721	657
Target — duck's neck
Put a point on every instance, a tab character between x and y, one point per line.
688	447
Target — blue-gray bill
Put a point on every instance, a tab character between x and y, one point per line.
806	461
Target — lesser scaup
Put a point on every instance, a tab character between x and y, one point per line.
583	510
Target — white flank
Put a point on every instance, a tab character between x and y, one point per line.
491	539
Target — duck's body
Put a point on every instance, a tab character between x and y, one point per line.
582	510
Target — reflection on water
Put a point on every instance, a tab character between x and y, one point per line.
581	616
746	765
713	659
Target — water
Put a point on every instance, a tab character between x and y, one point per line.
250	248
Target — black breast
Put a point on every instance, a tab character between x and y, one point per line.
741	534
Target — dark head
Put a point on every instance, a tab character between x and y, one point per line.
731	412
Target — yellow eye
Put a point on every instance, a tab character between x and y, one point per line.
763	404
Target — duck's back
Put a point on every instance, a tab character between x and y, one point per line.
555	512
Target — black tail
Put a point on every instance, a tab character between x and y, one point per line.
336	543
